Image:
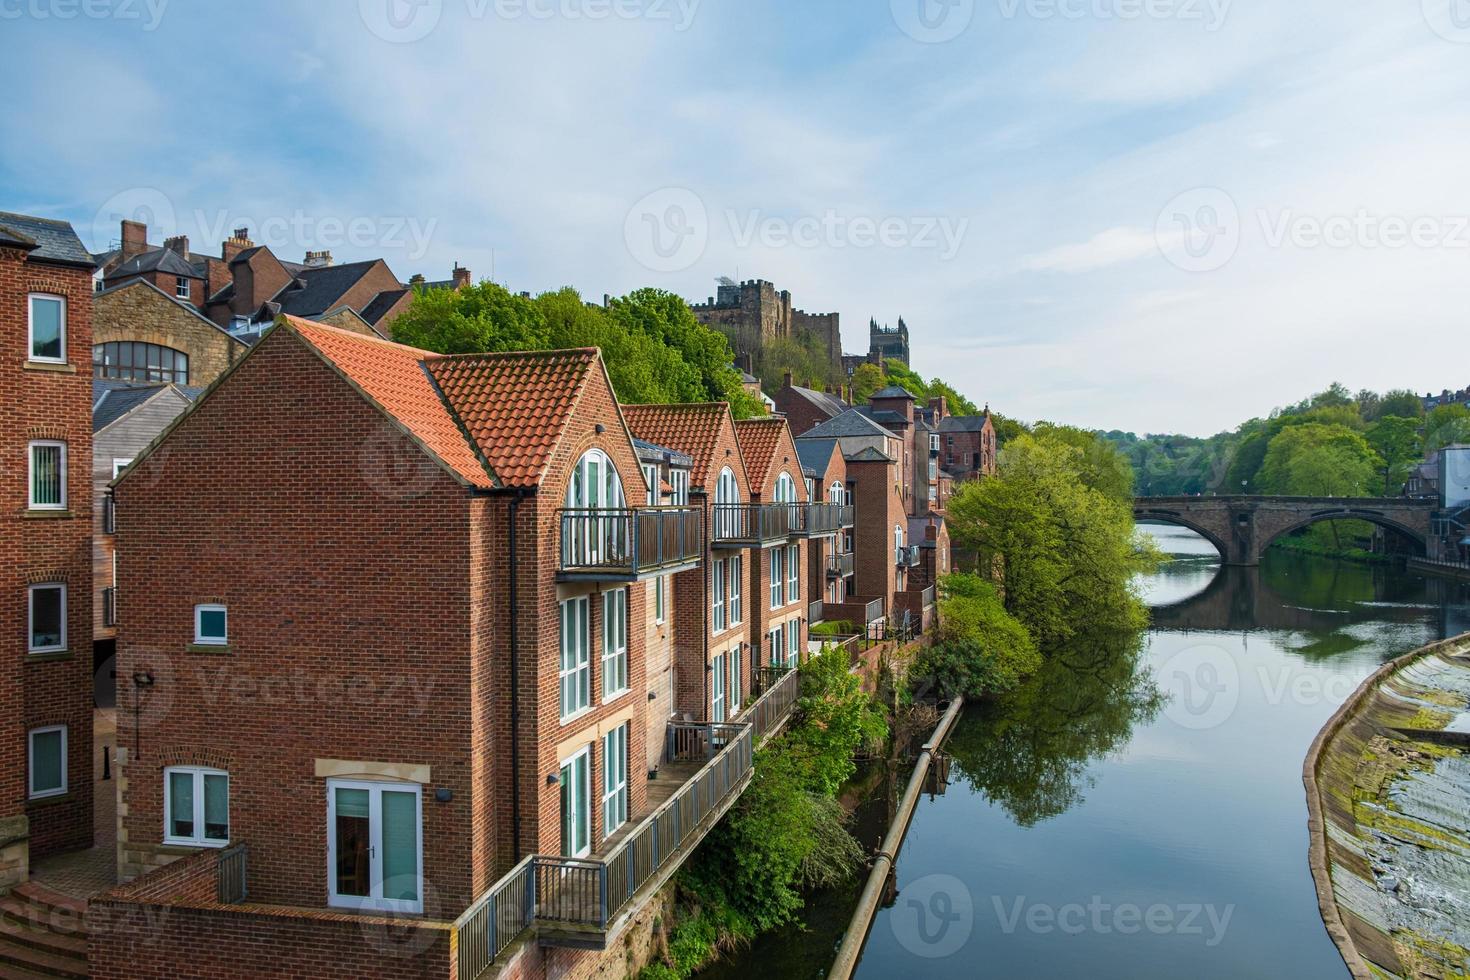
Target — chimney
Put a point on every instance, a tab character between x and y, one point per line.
134	239
235	244
940	407
417	280
788	379
318	260
461	277
931	532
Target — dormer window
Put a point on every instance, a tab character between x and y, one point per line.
181	287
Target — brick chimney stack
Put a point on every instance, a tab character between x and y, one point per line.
788	379
235	244
940	407
318	260
417	279
178	244
134	239
461	277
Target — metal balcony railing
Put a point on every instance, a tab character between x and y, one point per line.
623	544
750	525
929	596
840	566
817	520
907	557
109	606
232	888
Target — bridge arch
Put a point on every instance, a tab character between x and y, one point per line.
1351	514
1171	517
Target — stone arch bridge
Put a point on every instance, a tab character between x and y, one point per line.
1242	528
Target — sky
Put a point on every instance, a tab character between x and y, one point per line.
1150	215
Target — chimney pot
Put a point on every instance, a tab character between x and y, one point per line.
318	260
178	244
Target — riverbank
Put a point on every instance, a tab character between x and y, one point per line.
1388	792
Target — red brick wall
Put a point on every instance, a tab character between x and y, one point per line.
800	413
341	552
35	691
878	510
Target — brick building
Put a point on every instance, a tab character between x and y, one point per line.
967	445
45	545
807	408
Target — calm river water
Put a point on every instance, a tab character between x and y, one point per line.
1139	812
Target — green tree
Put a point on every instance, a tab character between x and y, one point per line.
867	381
1445	426
1316	460
981	649
1399	444
1103	467
478	318
1400	403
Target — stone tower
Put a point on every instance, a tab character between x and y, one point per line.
753	313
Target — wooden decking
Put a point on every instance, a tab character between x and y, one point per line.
671	776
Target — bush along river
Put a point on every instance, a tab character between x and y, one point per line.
1137	808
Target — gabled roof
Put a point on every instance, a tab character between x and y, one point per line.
849	423
759	439
186	307
164	260
964	423
830	404
652	452
111	400
692	429
314	291
46	239
393	377
815	455
515	406
869	455
895	391
380	304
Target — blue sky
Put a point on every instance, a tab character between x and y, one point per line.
1158	215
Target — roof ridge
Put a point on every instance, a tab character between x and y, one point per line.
508	354
298	322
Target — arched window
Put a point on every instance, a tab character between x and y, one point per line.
727	491
785	489
129	360
595	529
837	493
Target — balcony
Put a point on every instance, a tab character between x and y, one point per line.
628	545
819	520
583	903
109	606
751	525
907	557
840	566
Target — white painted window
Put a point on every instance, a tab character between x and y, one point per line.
660	597
47	761
650	476
196	806
118	465
614	643
717	689
46	605
211	625
727	493
793	573
576	808
181	287
375	848
837	493
793	642
776	647
679	479
47	475
598	531
614	779
717	590
576	665
785	489
737	666
47	328
777	580
734	573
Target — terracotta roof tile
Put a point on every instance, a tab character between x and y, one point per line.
759	439
692	429
515	406
393	376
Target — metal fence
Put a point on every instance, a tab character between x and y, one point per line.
840	566
817	519
742	523
629	541
231	875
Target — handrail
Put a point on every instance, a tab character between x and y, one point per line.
629	541
841	566
751	522
820	518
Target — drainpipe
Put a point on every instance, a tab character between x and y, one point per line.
512	512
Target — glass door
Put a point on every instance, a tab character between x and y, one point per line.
576	812
375	849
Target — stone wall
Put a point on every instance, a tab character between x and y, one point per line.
137	311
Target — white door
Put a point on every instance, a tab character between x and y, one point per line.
375	852
576	810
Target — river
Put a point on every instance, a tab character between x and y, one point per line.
1137	810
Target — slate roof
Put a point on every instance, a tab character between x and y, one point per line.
815	454
53	241
159	260
652	452
963	423
515	406
830	404
692	429
112	399
895	391
315	291
870	455
380	304
849	423
884	417
759	440
393	377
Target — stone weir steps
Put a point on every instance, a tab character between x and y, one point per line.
42	935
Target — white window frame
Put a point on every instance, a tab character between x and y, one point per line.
717	690
737	665
31	792
679	479
582	757
575	679
375	822
210	641
777	578
31	617
198	773
614	644
118	465
793	573
650	476
793	642
181	287
660	599
614	780
31	473
31	328
776	639
735	568
717	604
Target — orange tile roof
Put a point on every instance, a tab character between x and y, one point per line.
515	406
692	429
392	376
759	439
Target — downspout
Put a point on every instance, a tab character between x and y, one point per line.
709	572
512	512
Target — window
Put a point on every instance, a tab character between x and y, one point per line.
934	444
47	761
596	491
793	573
898	544
659	586
576	813
118	465
785	489
680	481
181	287
129	360
650	476
776	643
717	694
48	328
196	806
614	643
614	780
734	573
837	493
717	608
211	625
736	669
727	517
374	848
776	578
793	642
47	618
48	475
576	667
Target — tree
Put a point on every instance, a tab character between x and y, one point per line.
1445	426
1400	403
867	381
982	650
478	318
1398	442
1316	460
1103	467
